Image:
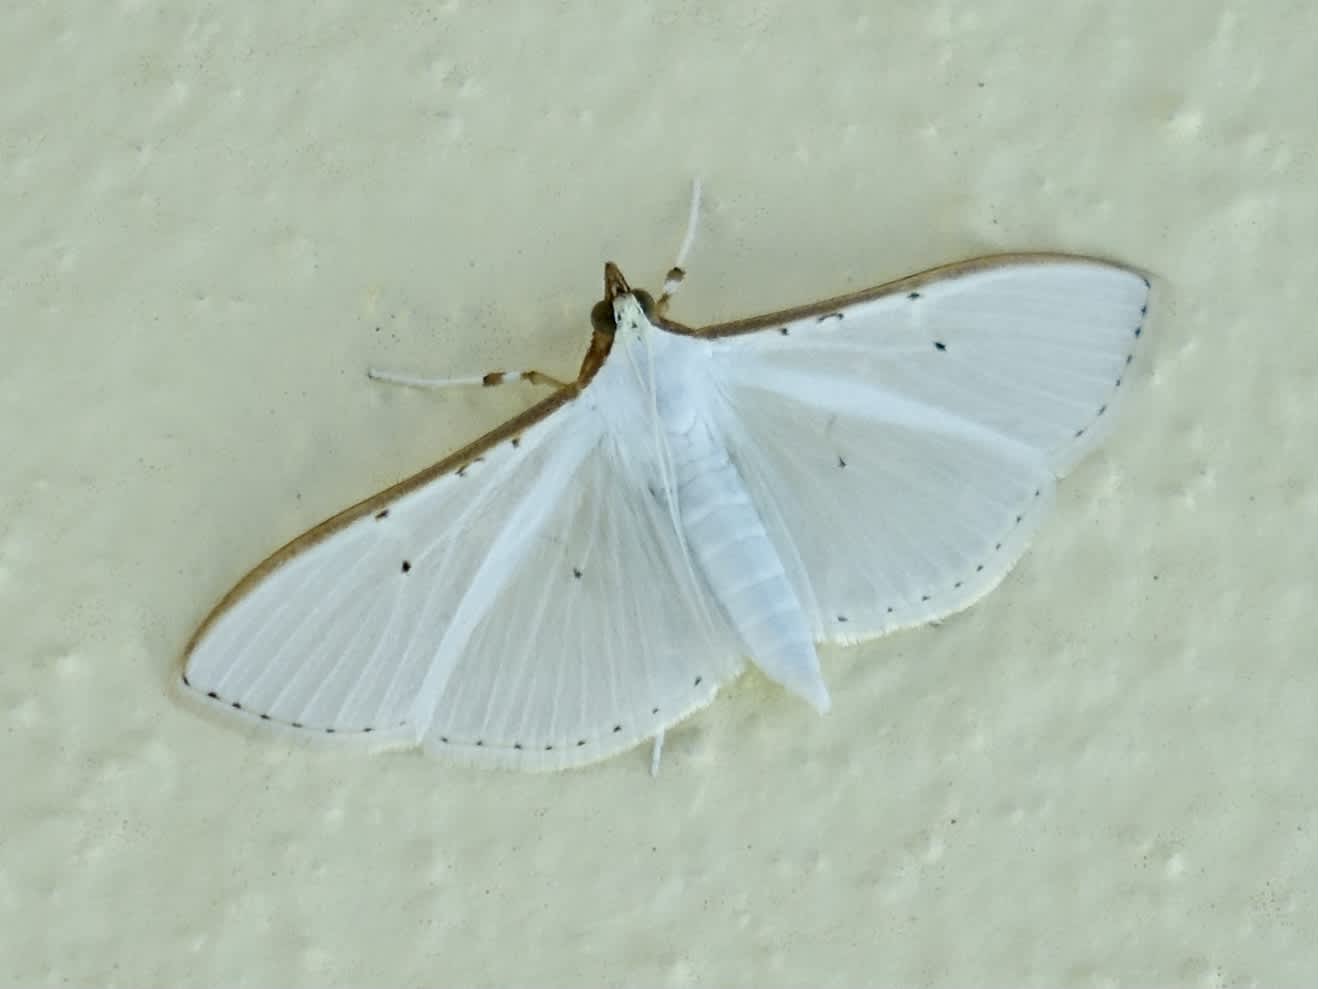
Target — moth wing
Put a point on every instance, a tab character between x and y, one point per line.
336	632
603	636
902	443
447	610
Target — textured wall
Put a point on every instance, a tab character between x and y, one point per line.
216	215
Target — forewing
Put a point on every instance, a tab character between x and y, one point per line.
338	631
901	443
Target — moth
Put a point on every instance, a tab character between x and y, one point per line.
589	573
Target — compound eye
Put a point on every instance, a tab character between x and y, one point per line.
601	317
647	302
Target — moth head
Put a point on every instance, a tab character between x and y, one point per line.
606	315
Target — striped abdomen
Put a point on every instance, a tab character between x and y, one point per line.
729	544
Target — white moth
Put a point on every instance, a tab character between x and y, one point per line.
592	571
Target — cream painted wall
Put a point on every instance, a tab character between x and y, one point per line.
216	215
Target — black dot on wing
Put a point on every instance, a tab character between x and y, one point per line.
329	731
407	566
842	618
235	705
841	462
698	681
517	746
549	748
265	717
516	441
580	742
939	345
297	724
784	331
616	729
654	710
383	514
212	695
576	572
913	295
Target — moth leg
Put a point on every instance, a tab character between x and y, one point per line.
484	380
656	752
677	272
